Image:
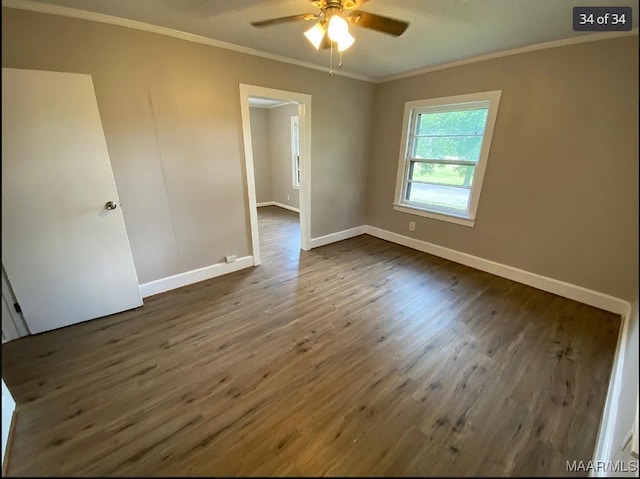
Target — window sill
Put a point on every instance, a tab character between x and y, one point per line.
296	187
459	220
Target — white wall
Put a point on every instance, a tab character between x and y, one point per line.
8	406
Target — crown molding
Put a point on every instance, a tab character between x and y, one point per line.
513	51
191	37
169	32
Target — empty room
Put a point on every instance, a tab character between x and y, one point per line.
275	144
320	238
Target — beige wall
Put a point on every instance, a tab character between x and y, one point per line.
281	160
271	138
560	193
261	146
171	114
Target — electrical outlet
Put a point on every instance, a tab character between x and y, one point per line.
230	259
412	225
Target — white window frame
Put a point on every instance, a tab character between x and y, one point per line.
295	159
490	100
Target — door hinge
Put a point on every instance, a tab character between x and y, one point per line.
17	307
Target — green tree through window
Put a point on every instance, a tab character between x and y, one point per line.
443	155
455	135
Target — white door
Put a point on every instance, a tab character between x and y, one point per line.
66	255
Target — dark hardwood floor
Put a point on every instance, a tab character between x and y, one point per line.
357	358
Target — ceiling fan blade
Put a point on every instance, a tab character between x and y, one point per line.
378	23
291	18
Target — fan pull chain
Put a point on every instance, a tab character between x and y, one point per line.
331	60
340	64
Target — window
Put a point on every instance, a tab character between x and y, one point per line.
295	151
444	150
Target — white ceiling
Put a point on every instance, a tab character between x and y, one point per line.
441	31
259	102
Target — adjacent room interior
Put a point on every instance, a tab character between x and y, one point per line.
275	141
320	238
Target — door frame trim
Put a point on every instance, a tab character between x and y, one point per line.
20	327
304	115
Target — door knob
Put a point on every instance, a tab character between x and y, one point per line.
110	205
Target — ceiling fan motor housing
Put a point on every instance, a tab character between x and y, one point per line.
335	10
339	4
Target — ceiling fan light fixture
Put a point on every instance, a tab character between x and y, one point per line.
338	29
315	34
345	42
332	28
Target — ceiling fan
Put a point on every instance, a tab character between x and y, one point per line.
333	21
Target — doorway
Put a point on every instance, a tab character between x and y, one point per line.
289	162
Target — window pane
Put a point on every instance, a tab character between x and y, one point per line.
448	148
463	122
296	140
442	196
454	175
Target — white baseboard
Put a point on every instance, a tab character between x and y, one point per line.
286	207
604	443
561	288
280	205
339	236
194	276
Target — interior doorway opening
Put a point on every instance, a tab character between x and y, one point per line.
276	133
275	141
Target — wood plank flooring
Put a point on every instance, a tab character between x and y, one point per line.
357	358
